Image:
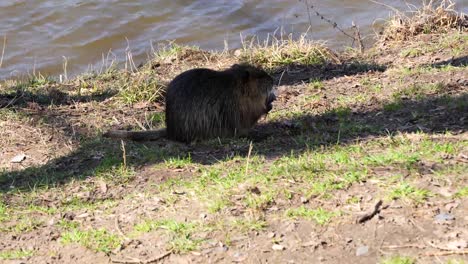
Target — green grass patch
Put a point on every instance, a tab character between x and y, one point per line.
76	203
411	52
99	240
15	254
181	234
144	88
247	225
68	225
462	193
315	84
320	215
393	106
179	162
3	212
398	260
22	225
405	191
418	91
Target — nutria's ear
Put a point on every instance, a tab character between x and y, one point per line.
241	72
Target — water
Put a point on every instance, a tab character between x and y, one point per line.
42	33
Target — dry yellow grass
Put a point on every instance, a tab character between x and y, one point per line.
433	17
284	51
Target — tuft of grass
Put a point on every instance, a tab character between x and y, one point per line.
315	84
279	52
142	88
260	202
432	17
181	233
462	193
178	163
320	215
68	225
3	212
22	225
99	240
398	260
405	191
167	52
418	91
16	254
247	225
411	52
393	106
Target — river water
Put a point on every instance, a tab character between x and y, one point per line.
42	34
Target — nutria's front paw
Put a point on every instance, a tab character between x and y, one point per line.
269	104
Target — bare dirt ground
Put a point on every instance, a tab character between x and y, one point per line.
389	125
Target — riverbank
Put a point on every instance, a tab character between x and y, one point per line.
348	130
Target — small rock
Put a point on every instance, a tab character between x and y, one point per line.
271	235
18	158
51	222
239	256
203	216
273	209
304	200
443	217
277	247
361	251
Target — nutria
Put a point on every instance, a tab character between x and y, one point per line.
204	104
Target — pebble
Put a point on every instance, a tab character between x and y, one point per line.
271	235
361	251
18	158
277	247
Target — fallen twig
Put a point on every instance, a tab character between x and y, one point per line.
117	226
416	225
368	216
404	246
446	253
438	247
138	261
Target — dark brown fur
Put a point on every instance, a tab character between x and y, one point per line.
203	104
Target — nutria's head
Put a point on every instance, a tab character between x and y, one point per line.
258	83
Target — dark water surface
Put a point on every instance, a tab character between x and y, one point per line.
41	33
